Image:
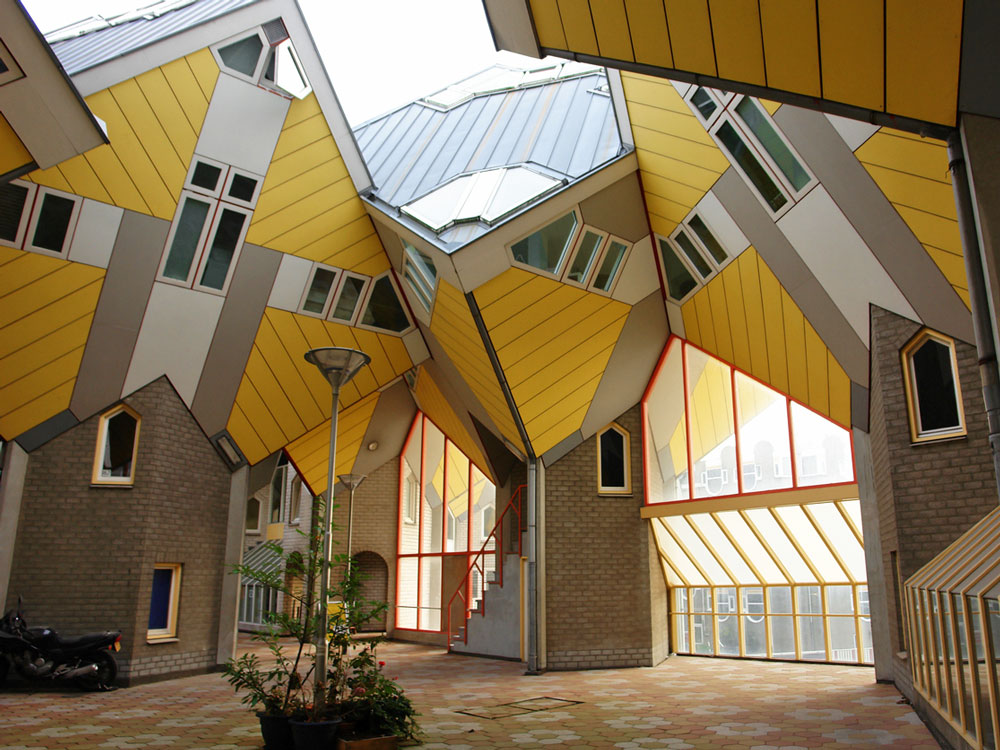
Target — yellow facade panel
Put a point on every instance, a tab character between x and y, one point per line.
302	160
774	327
302	133
83	180
291	338
264	381
692	331
561	398
42	322
739	53
691	36
50	177
186	90
668	121
816	367
35	384
397	354
511	291
672	189
706	325
952	266
311	229
274	221
279	360
653	92
922	51
205	70
926	158
647	22
547	435
665	215
510	322
27	268
791	46
26	360
343	237
36	411
260	416
720	318
916	192
753	310
612	28
840	392
246	438
932	229
499	286
852	49
371	344
365	257
730	277
46	290
169	113
13	154
548	24
171	165
578	25
700	174
115	179
795	349
440	411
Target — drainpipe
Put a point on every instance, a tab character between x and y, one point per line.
532	565
982	322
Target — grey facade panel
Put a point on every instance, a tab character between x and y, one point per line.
234	337
781	257
387	428
980	64
120	309
859	407
42	433
561	448
877	221
618	209
96	47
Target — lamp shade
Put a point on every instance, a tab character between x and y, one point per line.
351	481
337	364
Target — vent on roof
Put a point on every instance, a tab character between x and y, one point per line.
275	31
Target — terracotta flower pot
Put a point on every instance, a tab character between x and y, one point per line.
315	735
389	742
276	732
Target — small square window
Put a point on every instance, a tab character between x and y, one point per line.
345	307
16	199
206	176
164	601
242	188
318	293
53	220
117	447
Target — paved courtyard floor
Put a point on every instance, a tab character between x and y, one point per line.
466	703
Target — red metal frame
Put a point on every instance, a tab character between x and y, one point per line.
476	563
687	426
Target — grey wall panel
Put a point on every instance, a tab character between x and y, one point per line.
119	313
618	209
388	426
859	407
794	275
876	221
630	366
561	448
234	336
977	90
42	433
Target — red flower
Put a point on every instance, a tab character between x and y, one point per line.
381	664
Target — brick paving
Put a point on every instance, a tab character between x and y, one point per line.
686	702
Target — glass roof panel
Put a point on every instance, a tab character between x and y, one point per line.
853	509
812	544
822	449
751	547
777	540
704	558
678	558
724	549
437	208
481	188
828	518
518	187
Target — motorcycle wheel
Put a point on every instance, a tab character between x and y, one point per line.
104	677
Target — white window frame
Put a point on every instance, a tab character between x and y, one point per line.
261	60
422	285
568	253
604	249
366	297
102	436
359	305
698	282
330	295
228	184
206	250
714	266
626	461
14	71
26	212
36	210
286	47
917	433
169	632
188	181
576	247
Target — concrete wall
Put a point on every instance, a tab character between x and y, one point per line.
602	583
84	555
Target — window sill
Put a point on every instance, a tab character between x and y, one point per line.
163	639
114	485
928	439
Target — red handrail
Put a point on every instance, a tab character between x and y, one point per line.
464	590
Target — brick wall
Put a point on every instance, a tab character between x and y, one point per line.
84	555
931	493
601	581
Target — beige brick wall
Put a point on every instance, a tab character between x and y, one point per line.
84	555
931	493
605	594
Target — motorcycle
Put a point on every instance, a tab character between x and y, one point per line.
41	653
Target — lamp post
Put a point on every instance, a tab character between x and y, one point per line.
337	365
351	482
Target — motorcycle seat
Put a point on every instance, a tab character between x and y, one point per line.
89	640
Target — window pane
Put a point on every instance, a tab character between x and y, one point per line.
119	445
822	449
206	176
53	222
765	451
782	638
612	460
704	102
227	237
159	602
727	624
350	293
681	634
754	630
713	434
242	188
754	170
935	387
761	126
419	270
609	266
319	290
666	434
707	239
700	264
584	257
253	514
186	237
432	512
430	593
384	310
12	199
679	279
242	56
812	638
546	248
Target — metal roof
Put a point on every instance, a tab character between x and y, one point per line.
564	127
98	40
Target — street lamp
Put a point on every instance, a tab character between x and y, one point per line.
337	365
351	482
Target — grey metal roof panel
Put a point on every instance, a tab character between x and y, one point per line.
560	125
95	47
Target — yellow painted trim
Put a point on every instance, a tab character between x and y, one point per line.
824	494
626	458
275	531
916	436
173	613
102	431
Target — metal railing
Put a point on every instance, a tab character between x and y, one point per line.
472	589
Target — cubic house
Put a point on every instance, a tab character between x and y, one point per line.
682	354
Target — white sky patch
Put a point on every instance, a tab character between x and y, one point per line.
380	54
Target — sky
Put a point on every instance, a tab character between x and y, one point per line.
380	54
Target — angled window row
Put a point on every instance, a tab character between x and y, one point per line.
37	218
933	391
573	252
420	273
355	299
265	56
211	222
691	256
756	147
